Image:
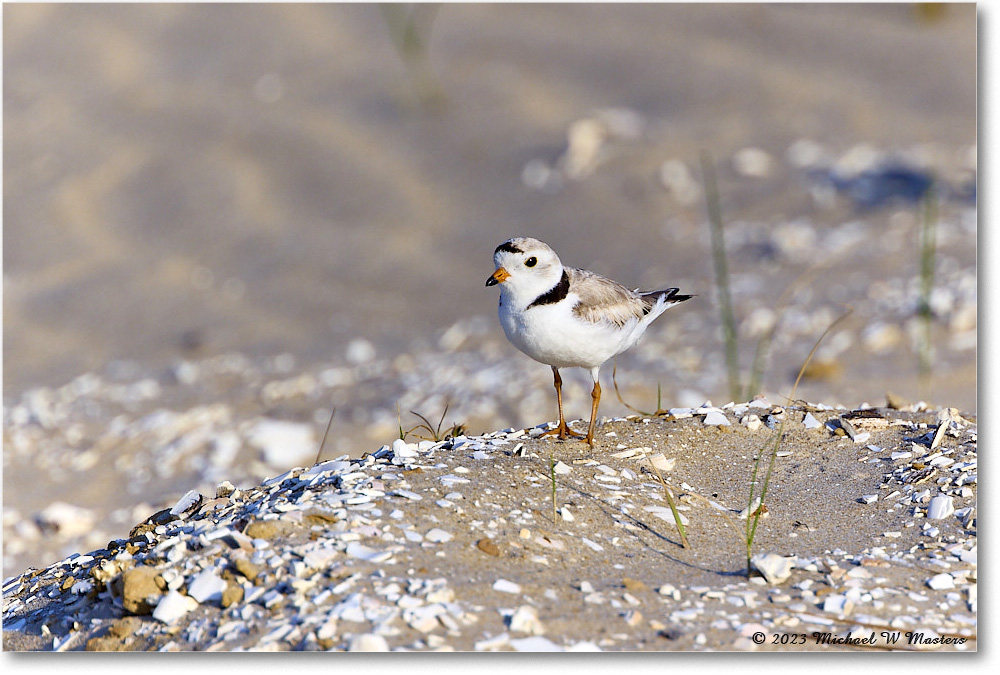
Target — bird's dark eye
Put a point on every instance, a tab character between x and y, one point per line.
531	262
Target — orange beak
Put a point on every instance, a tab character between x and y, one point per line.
498	277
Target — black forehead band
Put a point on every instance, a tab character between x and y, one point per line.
508	248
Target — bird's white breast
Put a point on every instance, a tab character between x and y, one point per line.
554	335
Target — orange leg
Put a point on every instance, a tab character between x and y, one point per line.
596	396
562	431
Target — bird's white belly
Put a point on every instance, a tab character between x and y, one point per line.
553	335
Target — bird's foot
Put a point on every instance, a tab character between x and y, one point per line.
563	432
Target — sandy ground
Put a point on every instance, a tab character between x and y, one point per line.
609	572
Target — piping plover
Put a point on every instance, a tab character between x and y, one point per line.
566	317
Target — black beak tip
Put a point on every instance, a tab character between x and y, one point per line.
491	282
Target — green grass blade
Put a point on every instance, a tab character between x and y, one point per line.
673	507
322	444
928	250
721	266
753	519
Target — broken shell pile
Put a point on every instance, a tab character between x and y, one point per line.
492	543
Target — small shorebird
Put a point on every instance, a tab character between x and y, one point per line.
567	317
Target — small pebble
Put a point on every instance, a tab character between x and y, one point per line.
941	582
368	642
173	606
206	587
716	418
837	604
940	507
661	462
774	567
492	644
438	536
487	546
751	422
505	586
633	618
525	620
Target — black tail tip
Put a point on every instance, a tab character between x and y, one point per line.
674	295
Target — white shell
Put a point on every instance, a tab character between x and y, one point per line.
173	606
716	418
525	620
774	567
940	507
941	582
368	642
207	586
505	586
186	503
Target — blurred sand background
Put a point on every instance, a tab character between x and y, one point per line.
182	181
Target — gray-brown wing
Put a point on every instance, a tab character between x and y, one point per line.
602	299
